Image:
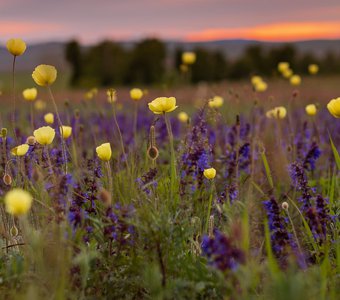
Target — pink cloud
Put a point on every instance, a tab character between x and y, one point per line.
9	29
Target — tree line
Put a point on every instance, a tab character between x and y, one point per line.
149	63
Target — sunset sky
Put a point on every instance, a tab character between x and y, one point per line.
192	20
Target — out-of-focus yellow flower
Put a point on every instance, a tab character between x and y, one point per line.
188	58
111	95
216	102
313	69
269	114
283	66
65	131
184	68
40	104
334	107
255	79
287	73
163	105
44	75
16	46
183	117
104	151
94	91
311	109
18	202
279	112
260	86
295	80
20	150
30	94
44	135
136	94
49	118
209	173
88	95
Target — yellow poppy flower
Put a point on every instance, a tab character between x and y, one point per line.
20	150
287	73
162	105
188	58
30	94
334	107
209	173
44	135
136	94
66	131
311	109
256	79
216	102
49	118
16	46
104	151
183	117
283	66
295	80
313	69
260	86
18	202
44	75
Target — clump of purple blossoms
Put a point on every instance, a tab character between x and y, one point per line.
147	181
85	195
118	225
221	252
230	193
314	207
281	239
196	156
311	156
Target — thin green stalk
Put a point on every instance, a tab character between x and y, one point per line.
212	185
173	174
120	136
294	231
32	116
13	97
63	145
50	164
109	176
135	118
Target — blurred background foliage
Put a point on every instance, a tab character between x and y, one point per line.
149	62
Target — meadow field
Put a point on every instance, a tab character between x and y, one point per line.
207	191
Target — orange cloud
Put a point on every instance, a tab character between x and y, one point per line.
272	32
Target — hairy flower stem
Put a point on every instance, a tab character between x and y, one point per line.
120	137
50	167
13	97
294	231
135	118
173	174
212	185
63	145
32	116
109	177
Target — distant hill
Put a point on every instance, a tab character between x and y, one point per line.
45	53
53	52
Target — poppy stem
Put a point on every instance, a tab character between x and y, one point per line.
173	158
13	97
120	137
61	128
